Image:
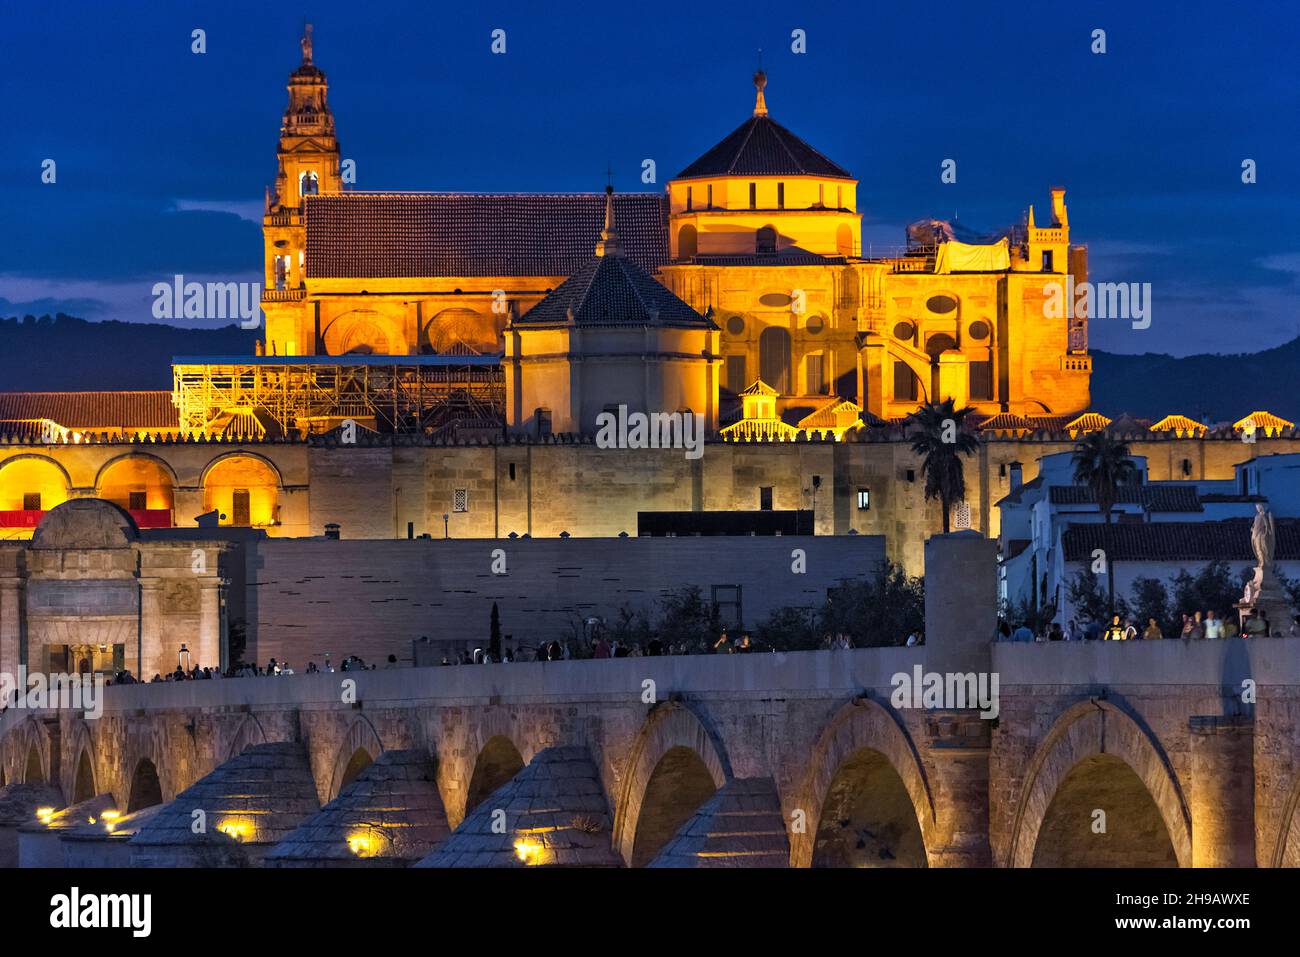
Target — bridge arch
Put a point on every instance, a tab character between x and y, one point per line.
360	748
145	787
1286	853
1090	741
676	743
146	775
84	766
497	762
28	752
864	741
249	733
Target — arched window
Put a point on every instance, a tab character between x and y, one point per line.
244	489
774	358
687	242
308	185
938	344
765	241
844	240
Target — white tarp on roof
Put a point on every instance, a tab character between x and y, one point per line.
963	257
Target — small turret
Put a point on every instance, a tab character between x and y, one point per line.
609	244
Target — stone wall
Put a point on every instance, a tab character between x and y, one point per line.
374	598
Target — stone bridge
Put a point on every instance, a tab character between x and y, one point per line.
798	759
1158	753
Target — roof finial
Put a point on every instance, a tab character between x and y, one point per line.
760	81
306	46
609	244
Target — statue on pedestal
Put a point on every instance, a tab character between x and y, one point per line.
1264	598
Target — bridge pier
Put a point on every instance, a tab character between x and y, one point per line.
961	613
1223	790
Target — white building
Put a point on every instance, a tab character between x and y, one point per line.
1052	528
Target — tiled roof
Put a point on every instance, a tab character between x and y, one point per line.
400	235
1014	497
611	290
1006	422
91	410
1155	498
1088	422
1228	540
831	415
1265	422
1180	424
763	147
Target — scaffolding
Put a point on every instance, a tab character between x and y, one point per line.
303	395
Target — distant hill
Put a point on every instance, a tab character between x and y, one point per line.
64	353
1222	388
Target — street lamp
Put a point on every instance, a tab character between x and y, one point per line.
183	658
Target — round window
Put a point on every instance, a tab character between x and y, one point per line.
904	330
979	330
735	325
815	324
941	304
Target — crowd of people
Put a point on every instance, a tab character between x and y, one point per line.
601	647
1194	625
273	669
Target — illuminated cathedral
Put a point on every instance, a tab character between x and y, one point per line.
747	273
436	363
434	366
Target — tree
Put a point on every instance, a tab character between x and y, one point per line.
879	610
494	634
1028	612
1088	601
941	440
788	629
686	617
1151	600
1102	463
1213	588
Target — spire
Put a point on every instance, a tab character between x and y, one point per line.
760	104
609	244
306	46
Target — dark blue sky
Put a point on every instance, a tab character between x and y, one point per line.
162	154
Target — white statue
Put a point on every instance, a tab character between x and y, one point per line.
1263	536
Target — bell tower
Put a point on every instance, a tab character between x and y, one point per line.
307	164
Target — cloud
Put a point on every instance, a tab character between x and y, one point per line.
130	301
250	210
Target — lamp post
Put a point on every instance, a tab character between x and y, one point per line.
183	658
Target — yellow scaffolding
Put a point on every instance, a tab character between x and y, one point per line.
304	394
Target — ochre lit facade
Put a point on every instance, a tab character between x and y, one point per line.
751	304
762	233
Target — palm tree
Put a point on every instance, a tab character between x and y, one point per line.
941	440
1102	463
